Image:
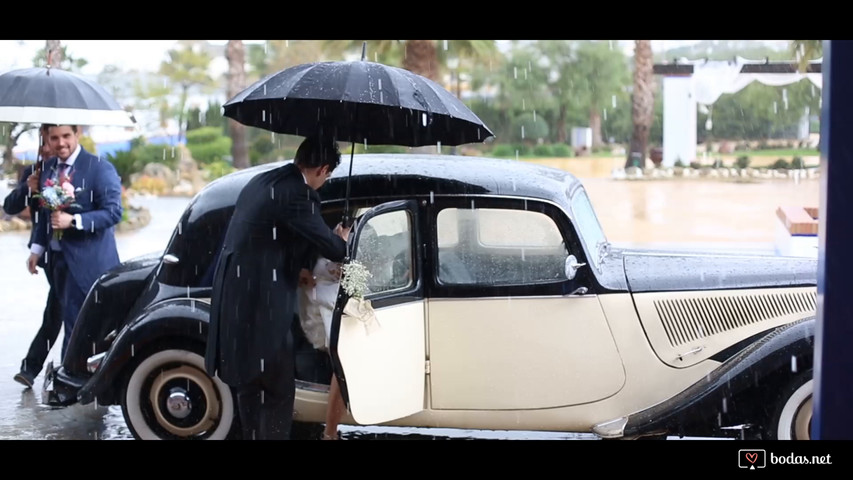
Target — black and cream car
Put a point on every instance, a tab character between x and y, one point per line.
500	303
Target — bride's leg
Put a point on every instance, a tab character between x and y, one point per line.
334	410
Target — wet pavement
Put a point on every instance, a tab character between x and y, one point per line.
22	296
681	214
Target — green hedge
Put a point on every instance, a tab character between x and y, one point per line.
218	169
203	135
742	162
126	163
165	154
781	164
562	150
543	150
213	151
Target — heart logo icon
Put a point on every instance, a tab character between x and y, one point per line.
752	457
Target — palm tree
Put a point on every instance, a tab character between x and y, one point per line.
54	53
421	57
235	53
187	68
425	57
643	102
805	51
277	55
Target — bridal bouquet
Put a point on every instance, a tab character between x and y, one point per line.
354	283
354	280
57	196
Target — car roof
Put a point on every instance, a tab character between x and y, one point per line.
396	175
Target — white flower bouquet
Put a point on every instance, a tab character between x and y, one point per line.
354	283
354	279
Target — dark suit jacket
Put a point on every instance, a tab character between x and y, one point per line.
19	199
89	252
275	226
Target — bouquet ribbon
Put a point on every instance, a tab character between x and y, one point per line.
361	310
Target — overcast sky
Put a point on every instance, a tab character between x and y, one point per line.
146	55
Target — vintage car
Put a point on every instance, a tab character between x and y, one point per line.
500	304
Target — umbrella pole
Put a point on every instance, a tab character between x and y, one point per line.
347	221
39	159
347	218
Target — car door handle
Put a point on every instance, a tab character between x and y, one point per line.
578	291
170	259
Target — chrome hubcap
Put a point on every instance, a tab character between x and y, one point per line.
180	400
178	403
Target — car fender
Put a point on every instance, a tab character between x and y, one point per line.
789	347
180	318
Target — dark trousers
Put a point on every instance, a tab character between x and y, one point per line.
68	294
266	403
45	338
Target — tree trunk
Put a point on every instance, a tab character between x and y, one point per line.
181	116
235	52
9	139
642	103
561	124
595	125
421	57
54	53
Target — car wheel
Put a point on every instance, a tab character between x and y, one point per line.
168	395
792	419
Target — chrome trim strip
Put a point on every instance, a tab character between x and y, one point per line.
515	297
311	386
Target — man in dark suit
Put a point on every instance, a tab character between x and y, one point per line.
17	200
87	246
275	227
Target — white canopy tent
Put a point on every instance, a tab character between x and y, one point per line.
703	85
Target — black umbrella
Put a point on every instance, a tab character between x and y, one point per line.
357	101
45	95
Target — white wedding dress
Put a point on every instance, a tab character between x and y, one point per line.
316	304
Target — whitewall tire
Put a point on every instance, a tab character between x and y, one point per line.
170	396
794	417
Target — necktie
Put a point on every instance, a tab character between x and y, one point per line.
61	176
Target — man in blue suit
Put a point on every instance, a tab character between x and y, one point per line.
87	247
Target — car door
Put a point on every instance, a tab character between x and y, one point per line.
381	366
507	328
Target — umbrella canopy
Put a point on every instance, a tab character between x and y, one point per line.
44	95
357	101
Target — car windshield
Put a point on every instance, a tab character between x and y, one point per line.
586	223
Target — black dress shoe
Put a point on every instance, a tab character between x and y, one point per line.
25	378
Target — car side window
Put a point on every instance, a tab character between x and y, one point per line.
385	248
196	243
499	246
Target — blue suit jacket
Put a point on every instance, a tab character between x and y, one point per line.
89	252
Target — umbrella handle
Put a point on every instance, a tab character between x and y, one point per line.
348	220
